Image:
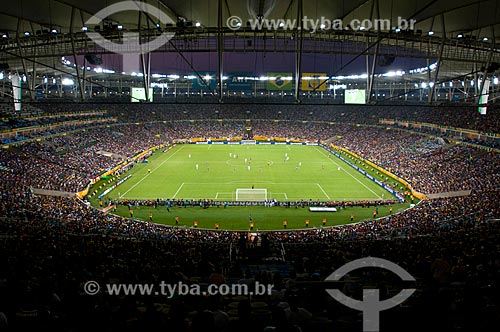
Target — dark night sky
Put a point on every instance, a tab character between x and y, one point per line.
260	63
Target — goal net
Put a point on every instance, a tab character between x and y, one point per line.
249	194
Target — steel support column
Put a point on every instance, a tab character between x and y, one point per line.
220	44
371	74
367	57
438	63
146	73
23	59
488	63
145	59
73	49
298	51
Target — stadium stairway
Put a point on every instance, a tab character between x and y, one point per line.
329	141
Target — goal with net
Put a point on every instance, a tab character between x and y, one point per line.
249	194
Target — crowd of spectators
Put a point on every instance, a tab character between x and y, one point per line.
458	117
72	159
13	122
52	245
428	166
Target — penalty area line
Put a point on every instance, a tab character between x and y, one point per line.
349	173
323	190
179	189
145	176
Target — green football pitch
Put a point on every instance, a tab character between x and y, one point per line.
228	173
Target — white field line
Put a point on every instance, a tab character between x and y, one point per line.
364	185
324	192
260	183
145	176
179	189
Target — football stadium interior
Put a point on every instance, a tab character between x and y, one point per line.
250	165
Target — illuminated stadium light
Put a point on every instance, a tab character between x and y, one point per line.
495	80
485	39
5	35
431	84
394	73
173	76
1	75
472	83
84	28
322	26
423	85
431	33
45	80
159	85
27	33
54	81
67	81
350	77
397	30
460	35
197	24
54	31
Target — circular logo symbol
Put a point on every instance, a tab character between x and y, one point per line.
131	41
371	304
91	287
234	22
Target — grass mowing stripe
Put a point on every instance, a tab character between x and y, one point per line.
364	185
145	176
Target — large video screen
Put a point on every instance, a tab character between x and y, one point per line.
355	96
139	94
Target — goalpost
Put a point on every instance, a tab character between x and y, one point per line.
249	194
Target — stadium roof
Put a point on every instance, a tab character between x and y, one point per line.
460	36
474	17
